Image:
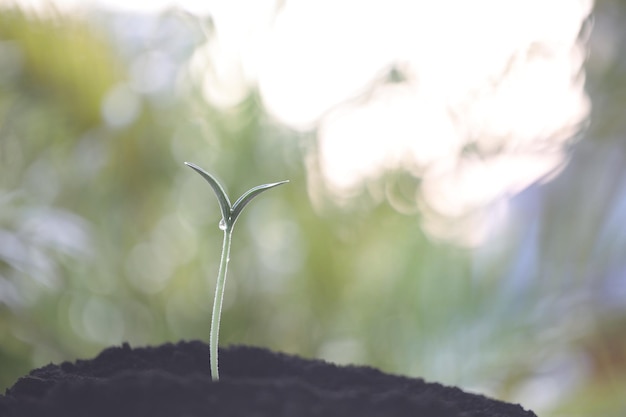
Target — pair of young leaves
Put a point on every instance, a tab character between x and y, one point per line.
230	213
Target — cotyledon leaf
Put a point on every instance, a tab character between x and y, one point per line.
247	197
222	198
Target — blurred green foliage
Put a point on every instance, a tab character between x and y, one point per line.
106	237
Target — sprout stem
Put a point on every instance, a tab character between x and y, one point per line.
217	303
230	213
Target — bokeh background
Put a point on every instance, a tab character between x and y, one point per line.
456	211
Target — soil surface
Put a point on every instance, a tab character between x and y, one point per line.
173	380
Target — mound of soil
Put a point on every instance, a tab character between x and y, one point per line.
174	380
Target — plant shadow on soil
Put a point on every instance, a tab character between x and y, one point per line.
174	380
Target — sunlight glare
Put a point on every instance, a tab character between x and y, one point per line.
491	93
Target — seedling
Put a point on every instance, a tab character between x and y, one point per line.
230	213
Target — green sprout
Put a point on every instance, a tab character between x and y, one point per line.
230	213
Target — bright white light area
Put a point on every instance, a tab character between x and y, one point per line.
489	93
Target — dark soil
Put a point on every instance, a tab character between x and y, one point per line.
174	380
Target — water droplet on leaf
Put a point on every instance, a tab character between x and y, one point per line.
222	224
